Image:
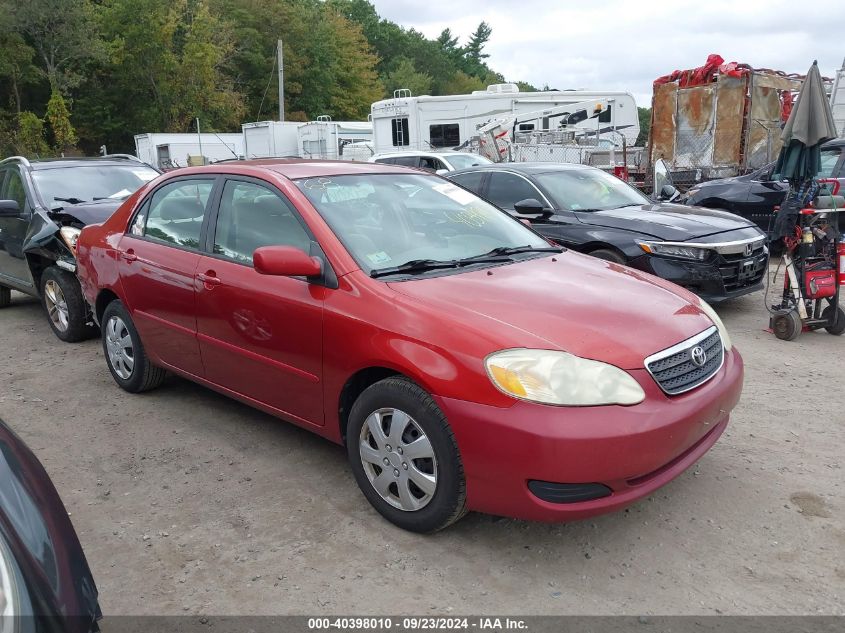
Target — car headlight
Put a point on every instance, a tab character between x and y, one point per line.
559	378
10	598
675	250
723	331
70	234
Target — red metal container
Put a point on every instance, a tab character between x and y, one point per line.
840	252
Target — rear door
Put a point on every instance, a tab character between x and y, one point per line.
158	263
260	336
13	230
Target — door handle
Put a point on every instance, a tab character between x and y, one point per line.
209	279
129	255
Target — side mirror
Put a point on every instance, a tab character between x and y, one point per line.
9	209
285	261
530	206
668	193
441	172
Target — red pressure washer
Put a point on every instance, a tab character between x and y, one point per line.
814	258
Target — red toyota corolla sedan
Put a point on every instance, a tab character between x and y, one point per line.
465	362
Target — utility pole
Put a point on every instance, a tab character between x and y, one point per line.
281	80
199	137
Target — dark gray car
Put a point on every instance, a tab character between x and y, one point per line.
43	207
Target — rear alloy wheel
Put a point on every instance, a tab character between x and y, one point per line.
5	297
609	255
404	456
787	325
128	362
67	313
838	326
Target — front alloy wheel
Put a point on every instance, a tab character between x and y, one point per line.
56	304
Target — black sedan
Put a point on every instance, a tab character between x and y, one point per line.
45	583
754	196
715	254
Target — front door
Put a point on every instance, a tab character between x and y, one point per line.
260	336
158	263
13	266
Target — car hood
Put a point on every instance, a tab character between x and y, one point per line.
572	302
94	212
671	222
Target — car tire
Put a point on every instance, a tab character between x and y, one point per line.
67	312
388	465
125	356
787	325
838	326
5	297
609	255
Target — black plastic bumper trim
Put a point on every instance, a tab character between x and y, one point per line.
567	493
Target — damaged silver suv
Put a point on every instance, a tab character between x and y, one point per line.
43	206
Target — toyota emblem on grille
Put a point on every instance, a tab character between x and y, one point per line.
698	356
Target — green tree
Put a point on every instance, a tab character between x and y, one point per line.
16	65
405	76
645	126
29	136
63	34
58	116
474	54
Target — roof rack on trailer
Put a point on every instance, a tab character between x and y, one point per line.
20	159
124	157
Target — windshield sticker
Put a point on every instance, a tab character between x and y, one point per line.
461	196
145	175
379	258
318	184
470	217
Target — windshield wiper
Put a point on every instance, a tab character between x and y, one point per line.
416	266
69	200
514	250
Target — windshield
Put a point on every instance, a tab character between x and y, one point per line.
461	161
589	190
388	220
60	186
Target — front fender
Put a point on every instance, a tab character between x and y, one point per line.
587	238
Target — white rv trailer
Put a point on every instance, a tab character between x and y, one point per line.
326	139
426	122
837	101
165	150
265	139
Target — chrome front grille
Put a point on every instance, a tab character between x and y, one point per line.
675	369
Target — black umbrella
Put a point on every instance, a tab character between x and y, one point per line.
809	126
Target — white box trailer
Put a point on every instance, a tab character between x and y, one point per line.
426	122
165	150
326	139
269	139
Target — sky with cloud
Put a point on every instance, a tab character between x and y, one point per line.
623	45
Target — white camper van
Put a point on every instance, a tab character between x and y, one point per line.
166	151
426	123
267	139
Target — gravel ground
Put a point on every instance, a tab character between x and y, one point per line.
188	502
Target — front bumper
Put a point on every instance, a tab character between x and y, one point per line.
719	278
631	450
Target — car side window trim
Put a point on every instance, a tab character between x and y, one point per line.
216	184
214	212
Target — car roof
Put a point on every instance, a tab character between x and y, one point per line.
837	142
295	168
58	163
523	168
421	153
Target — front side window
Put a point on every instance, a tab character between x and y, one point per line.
175	213
505	190
589	190
252	216
14	189
388	220
60	186
400	132
829	158
430	163
445	135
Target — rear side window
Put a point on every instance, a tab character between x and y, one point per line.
385	161
471	181
407	161
430	163
252	216
175	213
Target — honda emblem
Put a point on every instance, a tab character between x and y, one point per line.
749	248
